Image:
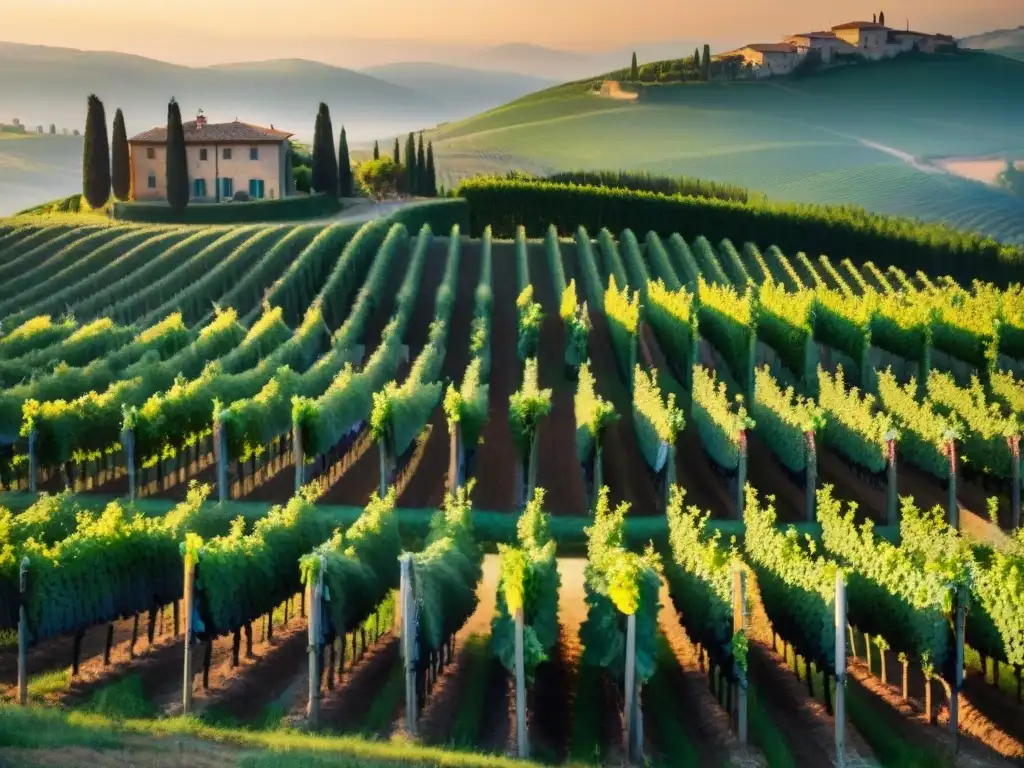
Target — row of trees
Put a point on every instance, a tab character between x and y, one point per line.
105	165
696	67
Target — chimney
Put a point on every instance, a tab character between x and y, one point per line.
200	120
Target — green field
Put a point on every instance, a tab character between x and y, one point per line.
864	135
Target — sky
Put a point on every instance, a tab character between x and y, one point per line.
368	32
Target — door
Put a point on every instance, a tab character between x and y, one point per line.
256	189
227	189
199	189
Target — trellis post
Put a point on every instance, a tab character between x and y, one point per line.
739	624
128	440
953	509
812	475
522	739
407	597
33	461
315	591
220	449
958	672
891	496
630	708
456	459
741	474
840	666
1014	442
190	573
23	633
298	453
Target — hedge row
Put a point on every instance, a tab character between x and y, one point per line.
298	207
845	232
441	215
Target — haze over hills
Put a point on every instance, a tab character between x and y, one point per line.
1005	42
43	85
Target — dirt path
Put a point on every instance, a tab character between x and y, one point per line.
558	468
427	486
363	478
496	457
803	721
700	715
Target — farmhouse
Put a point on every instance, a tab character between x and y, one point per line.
224	159
868	39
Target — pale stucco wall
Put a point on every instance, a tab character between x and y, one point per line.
239	168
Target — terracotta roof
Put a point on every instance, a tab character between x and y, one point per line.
829	35
772	47
860	25
211	132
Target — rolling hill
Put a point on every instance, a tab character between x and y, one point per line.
1005	42
868	135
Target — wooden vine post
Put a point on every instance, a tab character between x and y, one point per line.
23	633
958	672
190	576
891	497
456	458
315	594
812	476
1014	442
741	474
298	453
220	450
522	738
128	441
953	509
598	473
33	461
385	463
410	649
739	625
630	724
531	470
840	665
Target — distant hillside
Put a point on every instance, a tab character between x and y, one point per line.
1005	42
43	85
464	90
869	135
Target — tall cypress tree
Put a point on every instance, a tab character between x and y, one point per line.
696	59
634	73
376	151
96	155
120	163
316	175
327	177
177	162
431	171
881	18
344	167
410	166
705	65
422	187
398	156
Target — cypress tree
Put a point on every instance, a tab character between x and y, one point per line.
705	65
410	166
422	186
634	73
177	162
376	151
316	176
696	59
120	164
328	176
881	18
96	155
398	156
431	171
344	167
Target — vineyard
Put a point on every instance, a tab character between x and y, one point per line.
612	496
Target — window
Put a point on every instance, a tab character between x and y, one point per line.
227	153
256	188
150	153
202	154
254	153
199	188
151	181
227	188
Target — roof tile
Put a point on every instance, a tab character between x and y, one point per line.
236	131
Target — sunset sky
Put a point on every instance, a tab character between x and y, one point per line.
203	32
